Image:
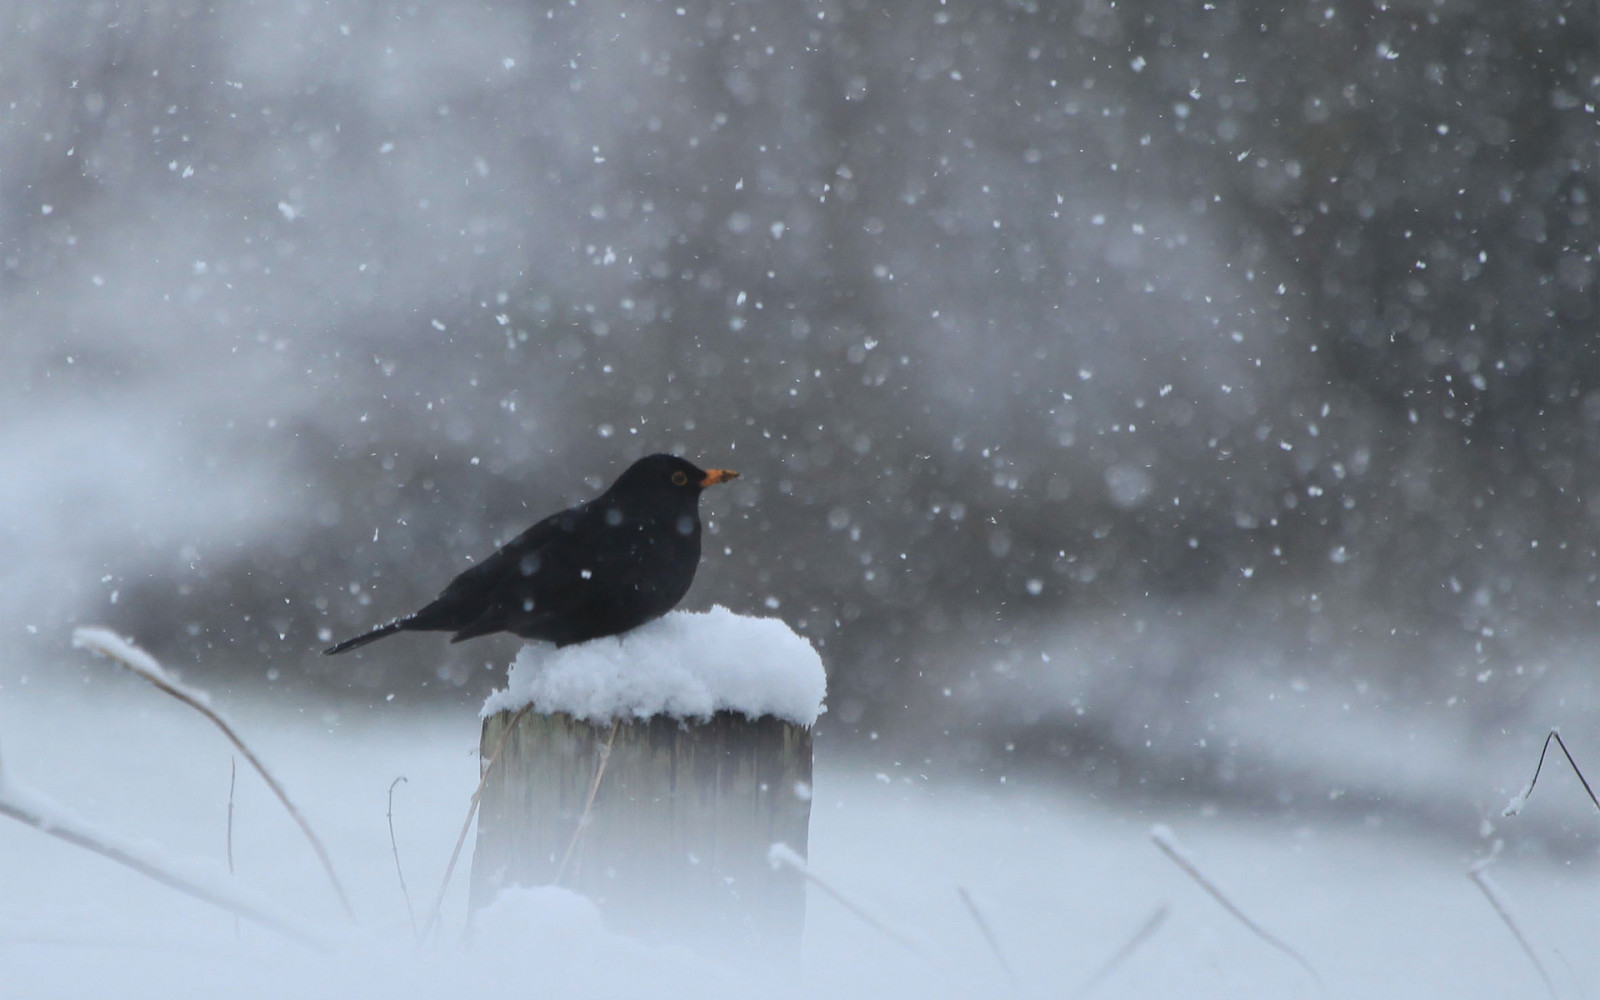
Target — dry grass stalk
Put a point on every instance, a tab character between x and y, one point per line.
113	647
989	936
399	872
233	774
594	787
1145	932
472	811
1480	877
1516	804
783	854
46	819
1167	841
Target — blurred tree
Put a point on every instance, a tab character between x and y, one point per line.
1004	310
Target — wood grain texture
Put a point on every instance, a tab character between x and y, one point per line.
676	842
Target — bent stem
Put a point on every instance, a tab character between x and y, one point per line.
113	647
1480	877
988	936
594	786
466	824
399	872
1164	838
1145	932
43	819
1517	803
783	854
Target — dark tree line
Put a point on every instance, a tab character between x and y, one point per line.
1008	312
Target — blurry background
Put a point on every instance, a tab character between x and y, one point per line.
1174	396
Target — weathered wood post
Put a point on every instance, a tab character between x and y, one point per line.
707	718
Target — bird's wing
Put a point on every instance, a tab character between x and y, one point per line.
476	596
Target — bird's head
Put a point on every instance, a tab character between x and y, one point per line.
657	472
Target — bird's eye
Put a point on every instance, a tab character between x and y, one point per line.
679	478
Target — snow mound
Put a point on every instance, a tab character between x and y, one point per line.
687	665
561	942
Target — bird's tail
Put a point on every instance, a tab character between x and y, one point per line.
362	640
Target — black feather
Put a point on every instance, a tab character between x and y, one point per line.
600	568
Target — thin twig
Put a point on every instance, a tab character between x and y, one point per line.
117	649
472	811
783	854
989	936
397	869
1516	804
1480	877
594	786
1145	932
233	774
1572	973
47	821
1164	838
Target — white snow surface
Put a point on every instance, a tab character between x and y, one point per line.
687	665
1064	877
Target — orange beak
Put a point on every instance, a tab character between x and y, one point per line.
715	476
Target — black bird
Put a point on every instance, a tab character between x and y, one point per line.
601	568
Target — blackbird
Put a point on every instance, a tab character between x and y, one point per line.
601	568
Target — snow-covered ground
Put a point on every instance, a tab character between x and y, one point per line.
1063	880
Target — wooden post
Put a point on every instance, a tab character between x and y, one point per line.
675	843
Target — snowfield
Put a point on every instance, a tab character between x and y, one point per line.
1063	880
